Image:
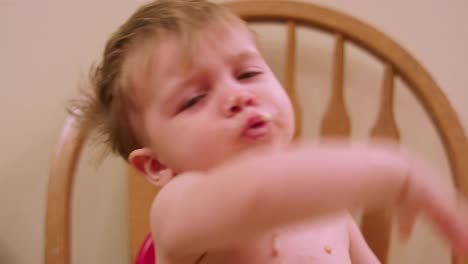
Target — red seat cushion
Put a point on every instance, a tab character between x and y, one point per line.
146	254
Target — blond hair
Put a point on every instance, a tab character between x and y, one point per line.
104	108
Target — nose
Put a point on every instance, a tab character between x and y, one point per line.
236	102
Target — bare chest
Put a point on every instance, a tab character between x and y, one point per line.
315	243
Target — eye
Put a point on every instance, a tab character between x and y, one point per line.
191	102
249	74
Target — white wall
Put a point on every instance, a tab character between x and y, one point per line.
47	46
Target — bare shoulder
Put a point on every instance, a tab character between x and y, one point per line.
170	193
167	201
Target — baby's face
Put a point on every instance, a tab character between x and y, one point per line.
224	102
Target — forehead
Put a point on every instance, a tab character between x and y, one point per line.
214	43
222	40
170	58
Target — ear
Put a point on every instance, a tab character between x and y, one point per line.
147	165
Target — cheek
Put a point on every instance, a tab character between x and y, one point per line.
288	117
283	105
192	143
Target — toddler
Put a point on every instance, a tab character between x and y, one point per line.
185	96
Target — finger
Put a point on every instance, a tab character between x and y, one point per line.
452	221
463	212
406	220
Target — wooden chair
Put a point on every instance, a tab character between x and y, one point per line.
376	225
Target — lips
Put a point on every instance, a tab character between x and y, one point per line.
256	127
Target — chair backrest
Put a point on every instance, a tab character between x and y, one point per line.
376	225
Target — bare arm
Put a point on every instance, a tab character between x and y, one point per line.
250	196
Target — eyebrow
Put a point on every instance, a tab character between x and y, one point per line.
176	87
173	92
246	54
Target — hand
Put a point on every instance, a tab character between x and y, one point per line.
424	194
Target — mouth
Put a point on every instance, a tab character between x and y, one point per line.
256	127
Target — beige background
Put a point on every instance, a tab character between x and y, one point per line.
47	46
